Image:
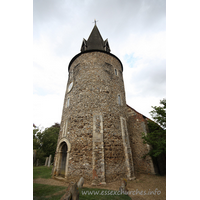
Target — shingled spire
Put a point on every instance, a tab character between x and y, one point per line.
95	42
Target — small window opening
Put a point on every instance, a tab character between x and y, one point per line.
67	102
119	100
115	72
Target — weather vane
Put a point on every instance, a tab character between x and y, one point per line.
95	21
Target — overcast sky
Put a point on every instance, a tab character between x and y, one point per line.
136	32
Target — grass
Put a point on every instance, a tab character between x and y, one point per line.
42	172
41	191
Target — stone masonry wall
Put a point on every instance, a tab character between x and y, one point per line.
136	126
91	119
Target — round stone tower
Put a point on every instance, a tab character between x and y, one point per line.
93	141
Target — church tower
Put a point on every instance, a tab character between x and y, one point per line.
94	141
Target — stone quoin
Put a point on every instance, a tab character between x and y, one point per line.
100	135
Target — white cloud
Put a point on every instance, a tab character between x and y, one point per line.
50	71
47	109
136	34
145	63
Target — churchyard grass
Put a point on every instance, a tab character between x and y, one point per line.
52	192
41	191
42	172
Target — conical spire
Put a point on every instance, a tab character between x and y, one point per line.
95	42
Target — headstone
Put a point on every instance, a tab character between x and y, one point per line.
80	182
49	161
71	193
34	156
123	188
75	192
52	171
37	162
67	195
46	162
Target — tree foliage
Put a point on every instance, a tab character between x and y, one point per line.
49	140
44	142
159	114
156	137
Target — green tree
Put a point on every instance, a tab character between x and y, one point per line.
156	137
44	142
49	140
37	145
159	114
36	138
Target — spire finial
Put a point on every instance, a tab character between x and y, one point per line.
95	21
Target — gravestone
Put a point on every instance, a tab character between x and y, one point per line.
34	156
75	192
71	193
80	182
49	161
123	188
46	162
